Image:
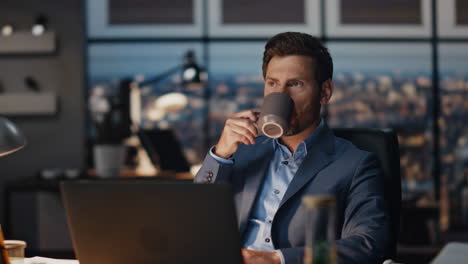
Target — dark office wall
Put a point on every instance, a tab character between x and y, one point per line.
54	141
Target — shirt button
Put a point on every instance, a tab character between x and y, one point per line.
276	191
285	162
269	221
267	240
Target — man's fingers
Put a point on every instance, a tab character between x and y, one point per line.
238	134
238	129
242	138
250	126
244	123
248	114
243	132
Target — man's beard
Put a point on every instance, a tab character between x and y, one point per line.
294	126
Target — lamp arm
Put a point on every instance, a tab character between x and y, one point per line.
161	76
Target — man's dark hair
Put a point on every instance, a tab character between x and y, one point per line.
296	43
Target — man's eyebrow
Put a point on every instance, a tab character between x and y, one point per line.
295	79
288	80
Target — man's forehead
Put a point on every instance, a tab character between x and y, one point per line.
299	64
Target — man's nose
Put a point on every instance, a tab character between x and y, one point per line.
283	89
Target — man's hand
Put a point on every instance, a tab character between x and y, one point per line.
239	128
260	257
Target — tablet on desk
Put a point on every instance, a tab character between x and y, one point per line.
142	221
164	149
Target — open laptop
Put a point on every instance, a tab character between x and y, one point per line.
142	222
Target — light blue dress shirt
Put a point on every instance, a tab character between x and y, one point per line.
279	174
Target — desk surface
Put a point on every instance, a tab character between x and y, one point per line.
36	184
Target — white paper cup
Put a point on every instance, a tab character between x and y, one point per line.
15	250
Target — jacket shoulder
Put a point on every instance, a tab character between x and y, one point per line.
346	149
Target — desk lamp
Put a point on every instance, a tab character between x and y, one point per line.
11	140
192	76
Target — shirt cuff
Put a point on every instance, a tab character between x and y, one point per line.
281	255
219	159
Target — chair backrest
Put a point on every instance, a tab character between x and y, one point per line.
384	143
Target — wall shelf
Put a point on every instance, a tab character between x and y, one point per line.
24	42
28	103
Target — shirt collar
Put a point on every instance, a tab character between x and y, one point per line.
303	147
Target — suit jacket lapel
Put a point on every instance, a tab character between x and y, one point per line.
319	155
253	179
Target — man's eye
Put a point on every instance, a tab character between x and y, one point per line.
272	84
296	84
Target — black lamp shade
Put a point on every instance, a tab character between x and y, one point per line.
11	138
191	74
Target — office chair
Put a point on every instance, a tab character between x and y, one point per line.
384	143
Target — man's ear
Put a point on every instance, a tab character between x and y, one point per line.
327	91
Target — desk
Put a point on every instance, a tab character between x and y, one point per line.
130	173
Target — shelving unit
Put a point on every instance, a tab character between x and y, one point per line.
24	42
28	103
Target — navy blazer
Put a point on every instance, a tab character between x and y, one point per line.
332	166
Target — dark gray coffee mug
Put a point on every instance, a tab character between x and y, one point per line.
275	115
